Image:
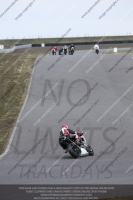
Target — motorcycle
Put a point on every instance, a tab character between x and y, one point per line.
53	51
65	51
60	51
71	52
97	51
75	149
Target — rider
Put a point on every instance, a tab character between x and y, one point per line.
54	48
96	46
66	131
65	48
72	45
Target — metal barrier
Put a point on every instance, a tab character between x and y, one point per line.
15	48
90	43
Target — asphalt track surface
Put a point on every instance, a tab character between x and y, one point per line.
69	88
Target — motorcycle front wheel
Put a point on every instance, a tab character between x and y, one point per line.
91	152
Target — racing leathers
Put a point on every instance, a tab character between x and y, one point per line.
96	47
68	133
65	48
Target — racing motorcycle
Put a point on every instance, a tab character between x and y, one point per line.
53	51
75	149
65	51
60	51
97	51
71	52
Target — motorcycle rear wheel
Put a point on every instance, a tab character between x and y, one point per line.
74	151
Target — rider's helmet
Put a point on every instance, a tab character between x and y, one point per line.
72	45
65	127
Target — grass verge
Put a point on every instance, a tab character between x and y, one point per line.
15	71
